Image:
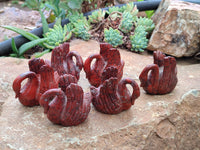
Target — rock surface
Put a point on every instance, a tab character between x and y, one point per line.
177	28
155	122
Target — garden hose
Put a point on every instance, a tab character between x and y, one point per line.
5	46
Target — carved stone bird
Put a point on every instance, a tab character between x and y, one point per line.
62	61
41	77
66	106
113	97
28	94
160	77
108	57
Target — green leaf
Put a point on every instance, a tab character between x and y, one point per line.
30	44
58	21
149	13
40	54
24	33
50	6
14	48
13	55
33	4
75	4
44	23
69	35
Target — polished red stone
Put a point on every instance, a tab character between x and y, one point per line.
68	106
112	96
62	61
54	86
41	77
160	77
108	57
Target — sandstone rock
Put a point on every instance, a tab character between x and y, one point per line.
154	123
177	28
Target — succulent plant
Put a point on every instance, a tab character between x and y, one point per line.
146	23
130	7
113	9
138	40
126	23
96	16
80	26
75	17
57	35
81	30
113	37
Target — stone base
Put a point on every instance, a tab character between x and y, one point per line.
158	122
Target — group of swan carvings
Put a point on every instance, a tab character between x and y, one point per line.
54	84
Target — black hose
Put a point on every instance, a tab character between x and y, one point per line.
5	46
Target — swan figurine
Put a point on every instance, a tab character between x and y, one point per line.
66	106
160	77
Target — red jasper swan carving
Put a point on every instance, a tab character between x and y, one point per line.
69	107
108	57
62	61
160	77
41	77
113	97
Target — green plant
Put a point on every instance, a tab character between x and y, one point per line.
24	33
80	26
81	30
96	16
149	13
57	35
34	4
122	26
146	23
76	16
56	7
126	23
15	2
15	50
74	4
113	37
113	9
52	38
19	52
37	5
139	41
129	7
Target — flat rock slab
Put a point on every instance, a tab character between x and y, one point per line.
155	122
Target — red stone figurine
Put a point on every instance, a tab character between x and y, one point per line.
112	96
68	106
160	77
41	77
108	57
62	61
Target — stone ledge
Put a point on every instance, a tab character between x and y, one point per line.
155	122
